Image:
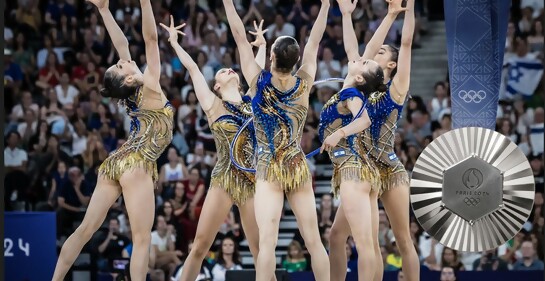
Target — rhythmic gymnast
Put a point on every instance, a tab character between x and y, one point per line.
384	110
131	170
226	110
355	177
280	105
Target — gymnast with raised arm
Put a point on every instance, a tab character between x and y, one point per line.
384	110
227	109
131	170
280	105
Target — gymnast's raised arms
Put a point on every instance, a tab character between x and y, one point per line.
349	35
120	42
202	90
250	69
152	74
402	79
309	61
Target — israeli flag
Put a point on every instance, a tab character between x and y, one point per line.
524	76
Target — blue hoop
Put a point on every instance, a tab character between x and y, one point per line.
249	120
232	146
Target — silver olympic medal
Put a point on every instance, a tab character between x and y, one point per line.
472	189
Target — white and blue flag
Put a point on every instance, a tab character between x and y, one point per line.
523	76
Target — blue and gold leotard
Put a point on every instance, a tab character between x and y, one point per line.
378	140
227	119
279	118
350	163
150	134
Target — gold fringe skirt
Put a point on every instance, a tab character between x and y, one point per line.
357	173
392	177
121	161
289	170
239	187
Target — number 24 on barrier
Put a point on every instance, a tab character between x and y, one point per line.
8	246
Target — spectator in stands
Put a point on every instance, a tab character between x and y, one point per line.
528	261
326	211
50	74
228	259
13	74
73	199
154	274
489	261
175	170
163	239
167	211
15	162
295	260
111	246
394	258
387	266
280	28
194	192
352	255
66	93
450	258
448	274
204	273
440	101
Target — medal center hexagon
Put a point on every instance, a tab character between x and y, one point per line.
472	188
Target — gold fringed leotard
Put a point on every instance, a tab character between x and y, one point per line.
226	119
279	118
350	162
378	139
150	134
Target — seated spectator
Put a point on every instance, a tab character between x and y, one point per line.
295	260
450	258
228	259
204	273
326	211
394	258
448	274
489	261
111	246
15	163
73	198
387	267
173	171
163	239
528	261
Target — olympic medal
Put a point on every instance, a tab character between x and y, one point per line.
472	189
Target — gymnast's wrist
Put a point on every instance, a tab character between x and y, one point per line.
342	133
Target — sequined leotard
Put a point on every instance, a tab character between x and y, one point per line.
150	134
350	163
378	140
279	118
225	119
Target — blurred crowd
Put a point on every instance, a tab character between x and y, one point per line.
59	129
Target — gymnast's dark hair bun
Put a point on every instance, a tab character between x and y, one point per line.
286	50
115	87
382	87
105	93
374	82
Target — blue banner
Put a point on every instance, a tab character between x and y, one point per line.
30	246
476	34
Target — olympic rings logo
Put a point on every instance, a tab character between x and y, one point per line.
472	96
470	201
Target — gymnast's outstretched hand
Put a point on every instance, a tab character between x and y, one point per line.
395	6
173	31
259	34
347	6
101	4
